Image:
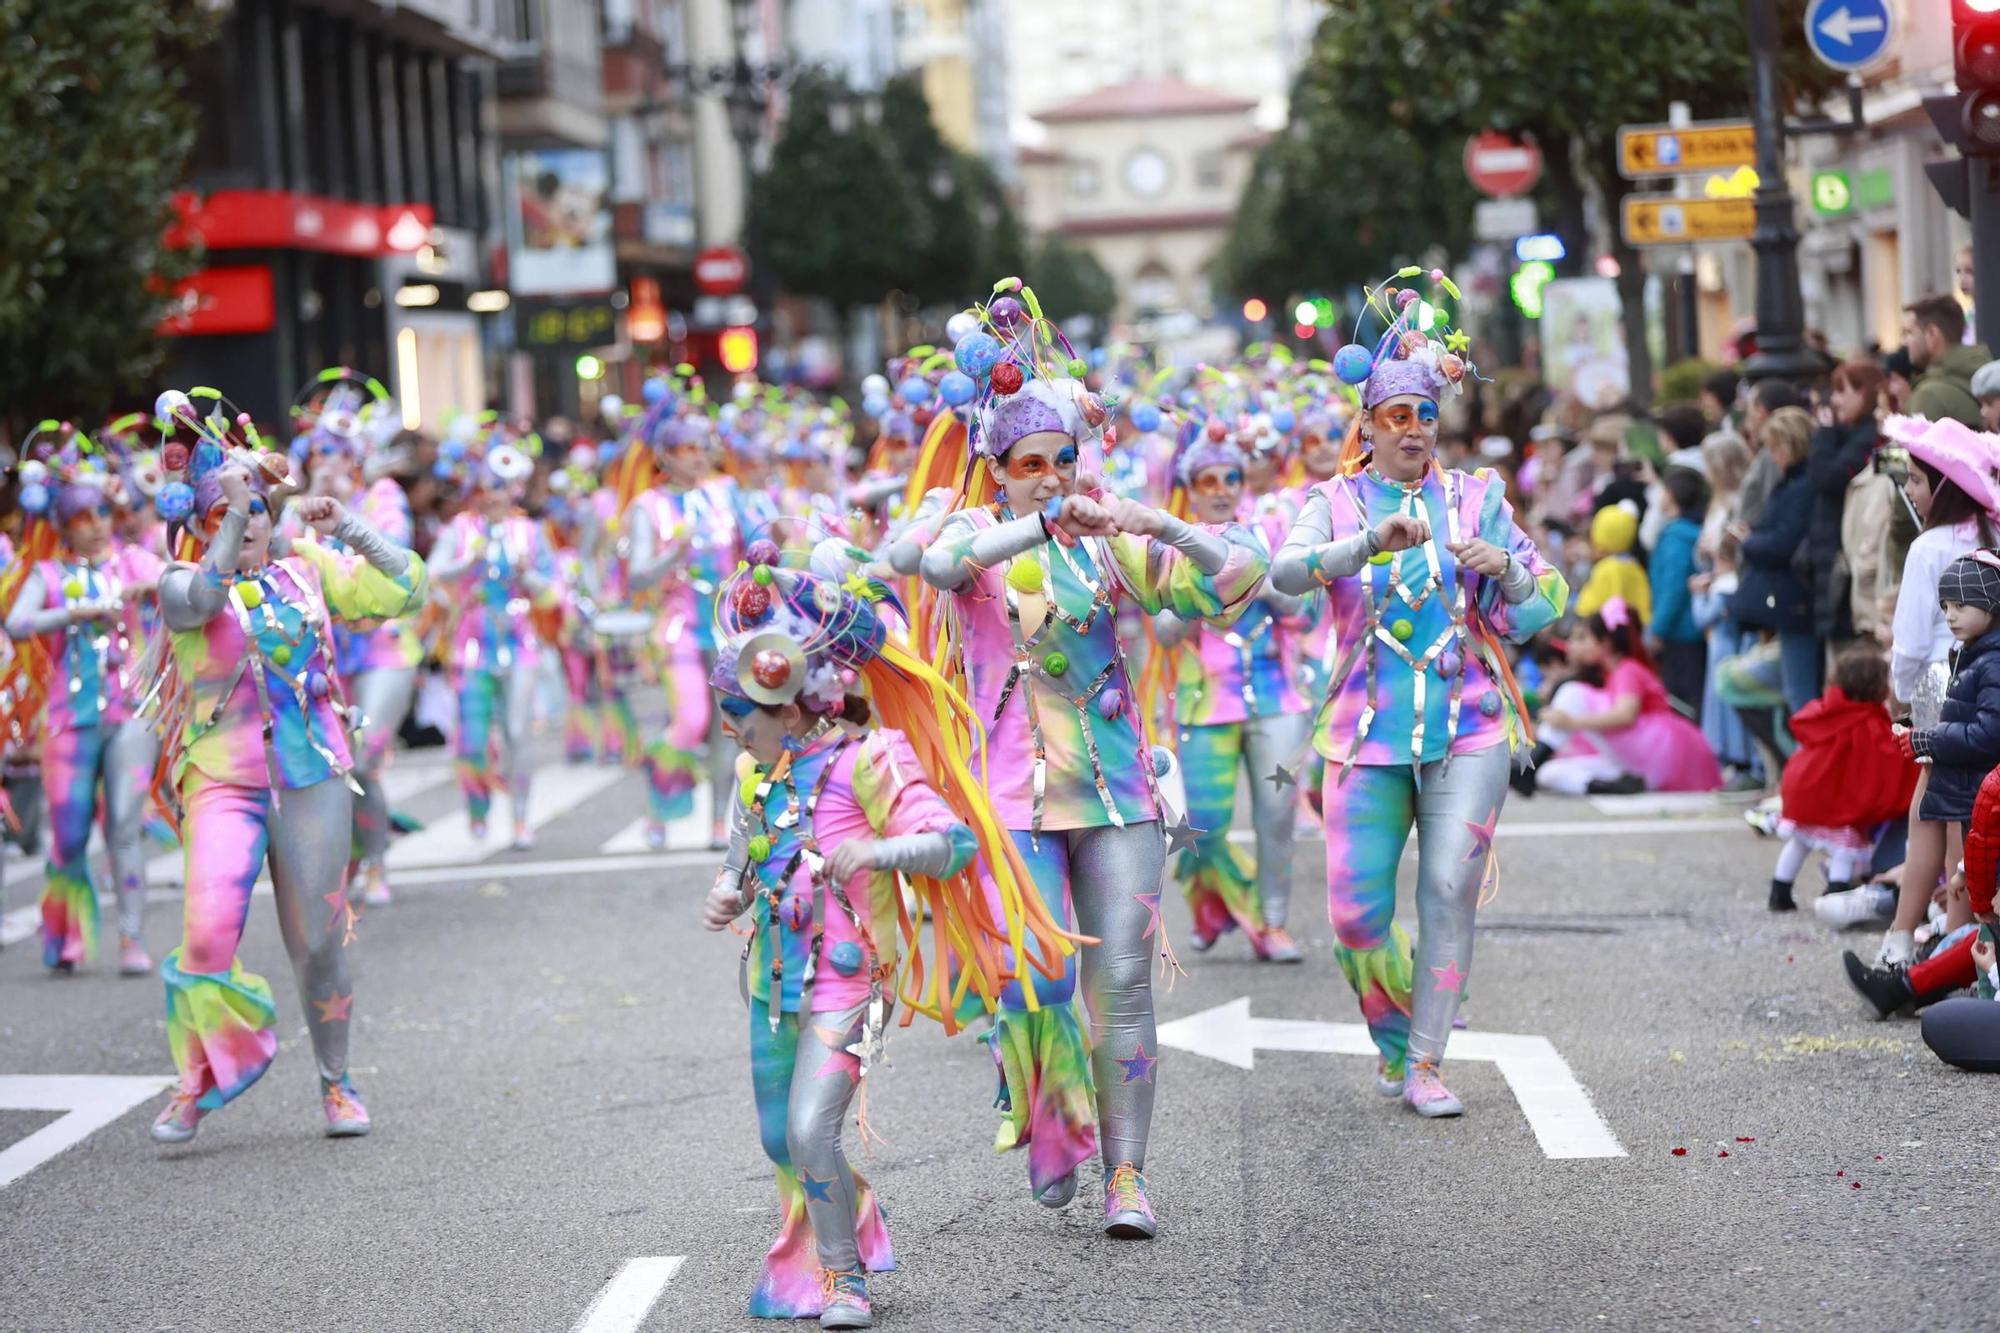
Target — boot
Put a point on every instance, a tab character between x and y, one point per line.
1886	989
1626	784
1781	896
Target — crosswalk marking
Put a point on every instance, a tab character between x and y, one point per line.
683	835
557	790
625	1301
88	1103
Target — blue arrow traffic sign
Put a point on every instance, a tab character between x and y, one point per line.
1849	34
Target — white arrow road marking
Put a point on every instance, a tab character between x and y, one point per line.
1555	1104
91	1101
625	1301
556	791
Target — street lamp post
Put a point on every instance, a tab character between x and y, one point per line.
1781	348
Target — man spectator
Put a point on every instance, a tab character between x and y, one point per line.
1986	388
1717	399
1933	329
1767	397
1898	375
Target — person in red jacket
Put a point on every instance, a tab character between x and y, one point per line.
1848	777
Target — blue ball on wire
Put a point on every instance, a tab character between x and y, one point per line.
175	502
916	390
957	388
1353	363
977	354
1146	417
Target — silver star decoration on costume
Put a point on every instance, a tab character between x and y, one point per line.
1282	777
1181	836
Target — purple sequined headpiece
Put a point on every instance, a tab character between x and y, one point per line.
1395	377
1036	406
1207	453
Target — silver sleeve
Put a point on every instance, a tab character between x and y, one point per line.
944	565
1208	551
372	546
915	854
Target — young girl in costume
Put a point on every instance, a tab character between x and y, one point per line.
1612	729
1238	711
492	567
255	723
1427	573
1031	574
830	817
344	419
74	602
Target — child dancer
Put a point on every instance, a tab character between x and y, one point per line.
831	816
254	718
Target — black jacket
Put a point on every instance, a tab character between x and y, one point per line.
1838	455
1770	594
1965	744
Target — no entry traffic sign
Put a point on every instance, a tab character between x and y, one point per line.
1501	166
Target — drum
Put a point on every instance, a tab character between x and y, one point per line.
622	625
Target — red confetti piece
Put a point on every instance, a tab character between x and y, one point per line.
1788	958
1857	1184
1839	1174
1741	1138
1878	1156
1680	1152
1723	1153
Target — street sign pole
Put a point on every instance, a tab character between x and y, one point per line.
1781	350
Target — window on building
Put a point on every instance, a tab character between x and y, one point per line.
1154	289
1084	179
1208	169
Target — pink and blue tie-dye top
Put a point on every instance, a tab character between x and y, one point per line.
490	596
263	662
701	523
873	789
1246	665
96	660
1416	687
364	647
1065	746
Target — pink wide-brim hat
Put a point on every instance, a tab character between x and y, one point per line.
1969	459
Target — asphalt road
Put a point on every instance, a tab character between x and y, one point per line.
553	1052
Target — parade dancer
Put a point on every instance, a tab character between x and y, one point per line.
830	819
347	418
74	601
1033	573
255	722
683	540
1238	710
1427	574
491	568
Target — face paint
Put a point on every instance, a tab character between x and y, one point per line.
1033	467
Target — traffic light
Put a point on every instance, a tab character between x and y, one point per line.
1969	119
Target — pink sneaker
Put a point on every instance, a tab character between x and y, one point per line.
346	1117
844	1300
375	889
133	960
180	1118
1426	1093
1128	1213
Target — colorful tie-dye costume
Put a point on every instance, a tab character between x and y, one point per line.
1416	729
1068	771
684	542
89	740
1239	712
260	762
815	969
492	577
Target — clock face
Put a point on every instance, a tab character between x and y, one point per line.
1146	172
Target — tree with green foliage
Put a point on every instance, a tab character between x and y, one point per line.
941	270
94	138
1416	78
1069	281
837	216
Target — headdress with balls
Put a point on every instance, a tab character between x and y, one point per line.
1419	352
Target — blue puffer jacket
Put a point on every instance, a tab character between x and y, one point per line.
1769	592
1965	744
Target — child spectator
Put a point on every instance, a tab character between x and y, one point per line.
1847	778
1616	575
1966	1032
1612	730
1682	646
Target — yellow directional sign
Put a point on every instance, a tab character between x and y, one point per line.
1645	151
1661	219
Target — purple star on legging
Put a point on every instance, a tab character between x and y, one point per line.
1139	1066
816	1190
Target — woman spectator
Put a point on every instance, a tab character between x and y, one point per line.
1770	593
1725	459
1840	451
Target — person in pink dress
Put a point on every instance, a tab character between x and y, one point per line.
1613	729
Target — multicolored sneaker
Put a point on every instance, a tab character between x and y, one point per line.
133	960
1277	946
1424	1090
1128	1214
656	836
844	1299
524	838
346	1117
1059	1192
1388	1080
179	1119
375	887
478	830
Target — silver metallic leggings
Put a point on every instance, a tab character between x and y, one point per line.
383	698
821	1084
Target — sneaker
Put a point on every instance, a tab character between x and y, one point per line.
1426	1094
656	836
1388	1083
133	960
478	830
1058	1194
844	1300
1626	784
1781	897
179	1119
1277	946
375	889
1128	1214
1886	989
1866	905
524	838
1200	941
1899	949
1763	817
346	1117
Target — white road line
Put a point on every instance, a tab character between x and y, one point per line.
1575	828
557	790
1557	1108
625	1301
683	835
1659	803
92	1102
